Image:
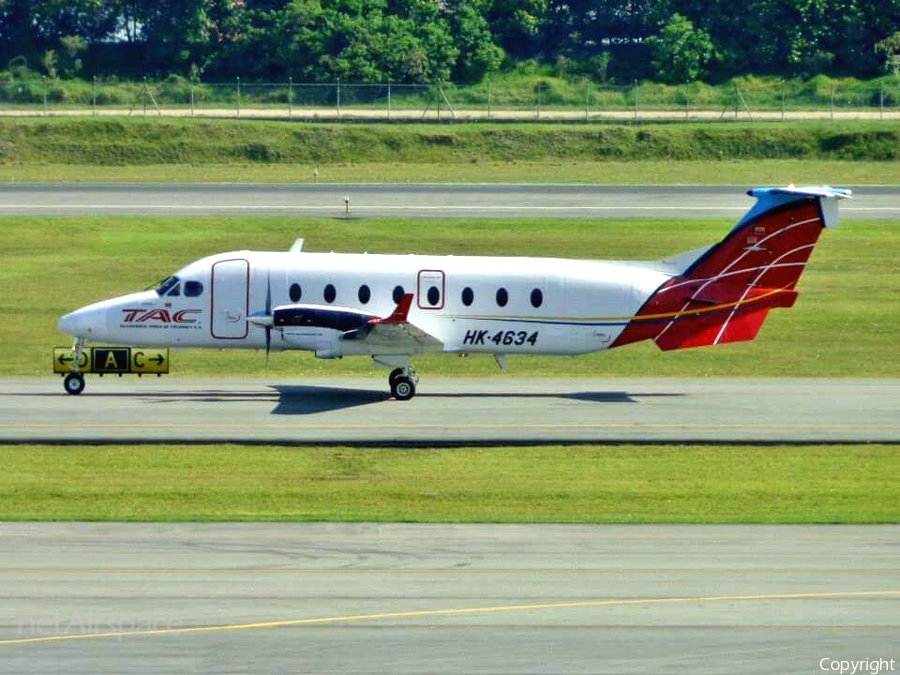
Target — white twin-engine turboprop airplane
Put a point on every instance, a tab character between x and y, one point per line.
393	307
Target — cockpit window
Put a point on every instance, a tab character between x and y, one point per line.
175	292
192	289
166	286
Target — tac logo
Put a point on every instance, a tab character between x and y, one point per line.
159	316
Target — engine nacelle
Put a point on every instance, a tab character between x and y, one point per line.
325	342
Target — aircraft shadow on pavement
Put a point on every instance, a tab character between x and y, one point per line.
312	399
307	400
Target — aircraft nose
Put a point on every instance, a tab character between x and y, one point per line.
83	322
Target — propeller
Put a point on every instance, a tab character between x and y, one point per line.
268	314
265	319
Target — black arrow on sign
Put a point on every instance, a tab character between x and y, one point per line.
159	359
63	359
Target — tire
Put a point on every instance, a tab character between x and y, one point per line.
403	388
74	383
395	373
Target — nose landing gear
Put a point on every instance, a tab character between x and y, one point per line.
74	382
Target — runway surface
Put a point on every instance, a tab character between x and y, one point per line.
318	598
499	410
506	201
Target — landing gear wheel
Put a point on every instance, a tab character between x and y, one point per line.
74	383
395	373
403	387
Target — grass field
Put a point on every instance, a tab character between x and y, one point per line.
137	142
577	484
845	323
744	174
171	150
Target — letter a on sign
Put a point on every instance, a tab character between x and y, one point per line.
111	362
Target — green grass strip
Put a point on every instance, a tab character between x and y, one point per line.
127	141
741	173
577	484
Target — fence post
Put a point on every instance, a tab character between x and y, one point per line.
635	87
338	96
192	98
881	103
587	100
737	102
94	95
490	92
45	95
389	100
782	100
539	87
238	80
144	97
290	98
832	101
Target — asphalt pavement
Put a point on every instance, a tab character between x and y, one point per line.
470	411
367	598
437	201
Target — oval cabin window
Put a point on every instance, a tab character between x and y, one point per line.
502	297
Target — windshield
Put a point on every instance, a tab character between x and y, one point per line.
166	285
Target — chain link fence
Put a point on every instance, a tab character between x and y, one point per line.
551	100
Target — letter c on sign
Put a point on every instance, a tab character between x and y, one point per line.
139	363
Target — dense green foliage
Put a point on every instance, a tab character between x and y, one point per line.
425	40
575	484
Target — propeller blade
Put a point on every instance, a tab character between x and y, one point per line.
268	314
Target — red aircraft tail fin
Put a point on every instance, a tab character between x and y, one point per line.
726	293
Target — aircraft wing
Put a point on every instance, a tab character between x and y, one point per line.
395	330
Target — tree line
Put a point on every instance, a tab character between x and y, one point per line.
417	41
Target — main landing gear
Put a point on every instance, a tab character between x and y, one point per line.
403	383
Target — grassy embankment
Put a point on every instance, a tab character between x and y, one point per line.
845	323
851	153
518	89
627	484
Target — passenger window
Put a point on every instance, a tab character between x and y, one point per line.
192	289
537	298
468	296
175	292
295	292
330	293
502	297
364	294
434	296
398	294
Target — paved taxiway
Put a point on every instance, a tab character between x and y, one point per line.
498	410
304	598
506	201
